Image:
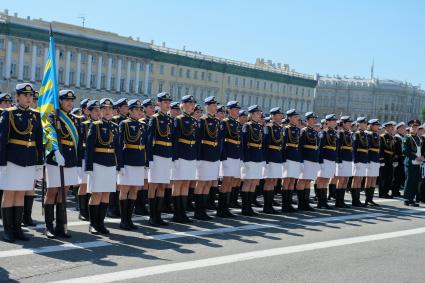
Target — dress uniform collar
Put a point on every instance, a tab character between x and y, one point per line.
210	116
106	121
23	108
186	114
292	125
132	119
162	113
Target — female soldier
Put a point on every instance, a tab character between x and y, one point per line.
21	159
372	171
131	178
102	157
252	158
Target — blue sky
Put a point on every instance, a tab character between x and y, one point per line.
326	37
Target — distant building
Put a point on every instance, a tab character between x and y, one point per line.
373	98
103	64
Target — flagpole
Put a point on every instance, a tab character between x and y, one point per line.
62	194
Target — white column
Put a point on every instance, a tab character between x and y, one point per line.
67	66
21	61
127	78
57	61
33	62
147	76
118	86
88	75
77	76
136	85
99	72
109	74
8	59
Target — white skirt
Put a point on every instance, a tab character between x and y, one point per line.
252	170
53	179
272	170
310	170
82	178
183	169
159	171
134	176
102	180
17	178
327	169
230	167
344	169
291	169
207	170
373	169
359	169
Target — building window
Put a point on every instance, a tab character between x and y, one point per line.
236	81
26	72
161	69
188	73
1	43
71	78
179	91
258	85
180	72
26	48
209	77
251	83
160	86
186	91
243	83
203	76
149	87
173	71
228	80
93	81
171	89
195	75
60	75
13	70
112	82
122	82
103	81
38	73
264	85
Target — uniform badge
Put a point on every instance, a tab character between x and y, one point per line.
133	127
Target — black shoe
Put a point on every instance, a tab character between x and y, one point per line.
93	217
84	212
60	229
130	209
17	229
124	215
27	219
159	206
8	222
152	213
184	201
49	217
113	208
103	207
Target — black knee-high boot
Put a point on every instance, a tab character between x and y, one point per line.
212	195
130	209
49	217
177	217
190	199
287	201
234	203
8	222
124	215
82	203
268	202
221	205
103	207
227	205
18	212
60	222
113	207
159	209
27	218
167	207
184	201
94	219
307	200
369	196
152	212
355	195
1	197
332	191
301	200
140	204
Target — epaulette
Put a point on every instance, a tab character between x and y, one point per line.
11	108
203	117
34	110
116	117
287	126
114	124
155	115
87	122
97	122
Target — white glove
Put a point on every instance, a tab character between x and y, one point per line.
38	172
395	164
59	158
123	171
89	173
382	164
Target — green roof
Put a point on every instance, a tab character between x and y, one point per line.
34	33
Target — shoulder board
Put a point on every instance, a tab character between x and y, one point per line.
86	122
287	126
155	115
180	116
204	117
116	117
11	108
114	124
34	110
226	119
97	122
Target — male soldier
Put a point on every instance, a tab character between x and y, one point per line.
399	174
372	171
21	159
386	159
344	167
5	102
93	114
328	153
230	158
309	148
160	153
273	155
208	157
412	160
68	129
183	170
293	166
360	159
142	195
121	107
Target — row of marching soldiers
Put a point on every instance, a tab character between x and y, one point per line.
114	157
